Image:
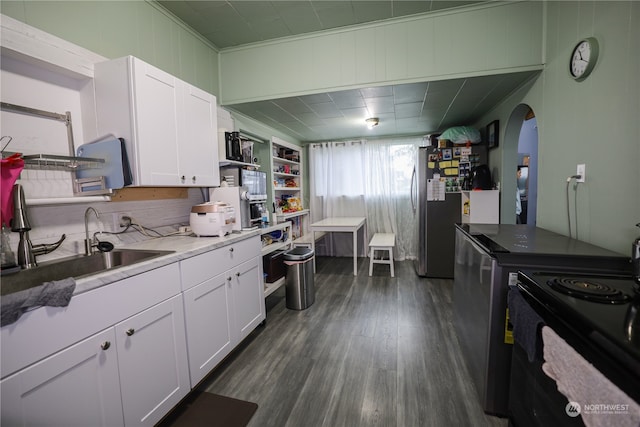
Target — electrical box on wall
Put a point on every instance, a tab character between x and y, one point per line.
581	170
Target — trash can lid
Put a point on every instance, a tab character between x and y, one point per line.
298	253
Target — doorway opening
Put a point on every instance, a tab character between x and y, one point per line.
520	167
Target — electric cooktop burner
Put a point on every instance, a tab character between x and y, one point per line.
588	289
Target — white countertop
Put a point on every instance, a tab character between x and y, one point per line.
184	247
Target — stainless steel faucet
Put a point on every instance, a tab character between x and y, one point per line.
27	251
89	244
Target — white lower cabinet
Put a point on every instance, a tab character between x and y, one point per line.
248	297
78	386
152	360
83	365
221	308
131	374
208	322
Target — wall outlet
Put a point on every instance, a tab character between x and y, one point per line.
581	170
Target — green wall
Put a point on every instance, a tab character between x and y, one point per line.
491	38
596	122
119	28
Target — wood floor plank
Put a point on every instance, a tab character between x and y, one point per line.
371	351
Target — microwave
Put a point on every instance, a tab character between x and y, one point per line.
255	182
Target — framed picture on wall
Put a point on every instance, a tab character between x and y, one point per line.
492	134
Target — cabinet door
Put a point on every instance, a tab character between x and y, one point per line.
78	386
248	297
197	137
152	360
155	98
208	324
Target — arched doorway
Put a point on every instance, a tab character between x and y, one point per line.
520	153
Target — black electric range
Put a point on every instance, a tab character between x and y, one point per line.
598	315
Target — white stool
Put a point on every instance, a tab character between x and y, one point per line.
381	242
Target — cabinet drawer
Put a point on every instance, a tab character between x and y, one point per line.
202	267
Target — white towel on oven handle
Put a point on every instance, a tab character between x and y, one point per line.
581	382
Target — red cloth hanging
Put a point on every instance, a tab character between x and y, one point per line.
10	168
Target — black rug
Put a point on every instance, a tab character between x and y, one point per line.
210	410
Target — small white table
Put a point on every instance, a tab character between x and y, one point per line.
347	224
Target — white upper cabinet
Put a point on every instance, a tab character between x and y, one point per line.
169	126
197	137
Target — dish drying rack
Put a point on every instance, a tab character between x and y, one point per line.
70	163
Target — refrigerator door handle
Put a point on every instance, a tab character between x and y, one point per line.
413	190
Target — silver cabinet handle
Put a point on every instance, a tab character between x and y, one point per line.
130	332
193	179
229	279
230	249
105	345
182	178
238	274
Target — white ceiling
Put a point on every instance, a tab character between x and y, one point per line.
407	109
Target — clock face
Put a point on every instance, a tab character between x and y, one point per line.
583	59
580	59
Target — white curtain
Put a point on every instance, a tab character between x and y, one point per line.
365	178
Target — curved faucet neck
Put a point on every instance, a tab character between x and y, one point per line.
88	242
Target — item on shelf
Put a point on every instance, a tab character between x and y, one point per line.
277	235
266	240
461	135
233	146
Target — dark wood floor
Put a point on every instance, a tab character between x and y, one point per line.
371	351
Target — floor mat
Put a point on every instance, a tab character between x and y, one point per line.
210	410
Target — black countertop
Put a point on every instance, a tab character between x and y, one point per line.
512	243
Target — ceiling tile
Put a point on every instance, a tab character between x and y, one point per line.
318	98
309	119
326	110
254	11
348	99
381	105
269	29
412	92
408	110
404	7
334	14
293	104
298	16
355	113
375	92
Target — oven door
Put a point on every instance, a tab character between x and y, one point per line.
534	399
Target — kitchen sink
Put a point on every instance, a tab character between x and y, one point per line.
76	267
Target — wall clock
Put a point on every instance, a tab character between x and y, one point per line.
583	58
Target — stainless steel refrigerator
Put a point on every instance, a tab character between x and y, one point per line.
437	215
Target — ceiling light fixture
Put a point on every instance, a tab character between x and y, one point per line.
372	122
